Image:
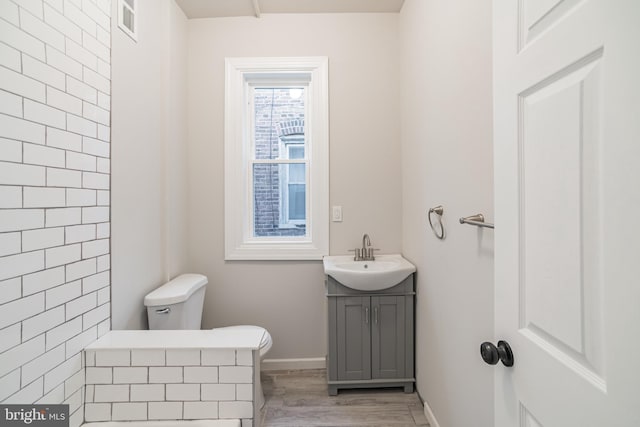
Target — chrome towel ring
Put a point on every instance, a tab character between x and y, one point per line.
438	210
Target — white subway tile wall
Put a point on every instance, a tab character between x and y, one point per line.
172	384
55	93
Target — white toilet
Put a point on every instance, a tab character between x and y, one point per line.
178	305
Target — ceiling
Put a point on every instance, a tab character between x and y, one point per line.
222	8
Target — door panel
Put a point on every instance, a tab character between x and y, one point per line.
526	419
560	220
538	16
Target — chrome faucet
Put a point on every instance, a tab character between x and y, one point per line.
366	252
366	241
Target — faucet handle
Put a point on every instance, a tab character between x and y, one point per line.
357	256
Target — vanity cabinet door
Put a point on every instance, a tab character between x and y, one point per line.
388	342
354	338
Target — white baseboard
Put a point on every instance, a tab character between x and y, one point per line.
429	414
286	364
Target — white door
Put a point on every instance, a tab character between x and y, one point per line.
567	194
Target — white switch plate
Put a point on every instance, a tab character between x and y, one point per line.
336	214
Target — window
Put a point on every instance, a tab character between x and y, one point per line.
276	158
278	141
127	20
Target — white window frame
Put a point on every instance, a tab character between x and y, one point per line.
134	14
241	74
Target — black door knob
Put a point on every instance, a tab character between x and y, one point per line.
491	354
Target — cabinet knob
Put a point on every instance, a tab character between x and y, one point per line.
492	354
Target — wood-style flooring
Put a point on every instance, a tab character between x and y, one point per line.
300	399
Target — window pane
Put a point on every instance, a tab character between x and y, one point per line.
296	202
296	173
279	114
127	19
296	151
278	204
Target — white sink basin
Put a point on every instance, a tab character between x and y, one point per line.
386	271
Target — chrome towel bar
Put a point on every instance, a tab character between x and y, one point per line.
477	220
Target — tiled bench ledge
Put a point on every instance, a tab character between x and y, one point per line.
173	375
184	339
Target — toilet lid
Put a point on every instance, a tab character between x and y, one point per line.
265	343
175	291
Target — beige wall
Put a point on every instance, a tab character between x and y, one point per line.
288	297
447	159
149	158
175	120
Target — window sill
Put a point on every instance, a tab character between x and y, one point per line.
275	254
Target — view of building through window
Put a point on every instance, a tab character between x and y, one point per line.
279	162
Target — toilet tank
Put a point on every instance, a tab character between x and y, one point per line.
177	304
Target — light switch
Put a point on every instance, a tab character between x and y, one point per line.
336	214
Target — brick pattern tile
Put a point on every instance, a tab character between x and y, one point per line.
54	212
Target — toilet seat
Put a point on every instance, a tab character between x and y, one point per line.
265	343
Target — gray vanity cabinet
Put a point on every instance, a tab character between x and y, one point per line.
371	337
